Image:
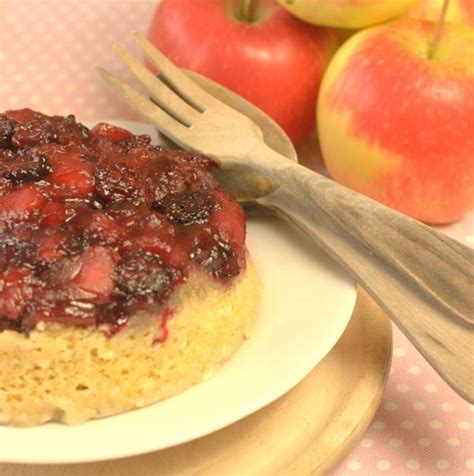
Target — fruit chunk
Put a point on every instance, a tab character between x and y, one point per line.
113	133
185	208
229	219
26	168
116	181
52	247
16	289
73	177
20	203
53	214
97	272
143	274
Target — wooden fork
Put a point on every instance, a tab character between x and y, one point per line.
422	279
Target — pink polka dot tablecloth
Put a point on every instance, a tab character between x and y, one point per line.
48	50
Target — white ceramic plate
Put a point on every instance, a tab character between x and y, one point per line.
307	302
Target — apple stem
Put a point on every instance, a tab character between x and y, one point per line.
246	10
438	30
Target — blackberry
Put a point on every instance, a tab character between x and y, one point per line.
186	208
26	168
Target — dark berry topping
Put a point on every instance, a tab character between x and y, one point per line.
6	131
26	168
117	181
98	226
143	275
186	208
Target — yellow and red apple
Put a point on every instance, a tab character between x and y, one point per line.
347	13
255	48
398	125
459	11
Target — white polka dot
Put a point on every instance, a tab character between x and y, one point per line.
414	370
453	442
431	387
447	407
413	464
470	464
419	406
398	352
407	425
464	425
379	425
390	406
442	464
367	443
436	424
403	387
383	465
470	238
23	57
425	442
395	442
354	465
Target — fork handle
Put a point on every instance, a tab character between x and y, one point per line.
422	279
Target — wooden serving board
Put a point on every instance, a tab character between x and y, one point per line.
308	430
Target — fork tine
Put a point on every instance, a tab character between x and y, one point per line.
159	91
160	118
174	76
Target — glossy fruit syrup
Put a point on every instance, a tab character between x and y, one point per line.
99	225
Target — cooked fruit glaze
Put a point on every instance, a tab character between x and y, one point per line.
97	225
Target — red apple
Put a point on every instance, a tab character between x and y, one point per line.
267	56
397	124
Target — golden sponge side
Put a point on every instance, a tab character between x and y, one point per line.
71	375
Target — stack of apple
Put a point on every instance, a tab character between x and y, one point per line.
394	105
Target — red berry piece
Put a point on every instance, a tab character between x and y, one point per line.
153	233
53	214
68	131
16	289
73	177
97	272
30	167
118	181
20	203
25	115
229	219
112	133
52	247
32	133
102	229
